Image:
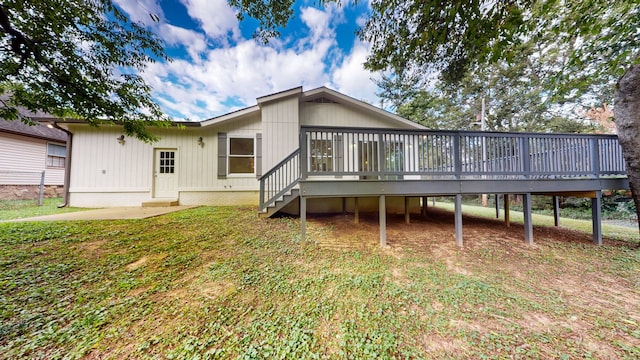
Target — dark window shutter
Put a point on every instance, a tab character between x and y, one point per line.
222	155
258	154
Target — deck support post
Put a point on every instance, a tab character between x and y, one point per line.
528	224
458	219
344	206
507	215
383	221
596	217
497	206
356	211
303	219
407	215
556	211
425	202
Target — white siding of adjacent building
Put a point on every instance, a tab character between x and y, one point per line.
23	160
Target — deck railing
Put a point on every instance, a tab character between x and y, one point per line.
280	179
385	154
408	154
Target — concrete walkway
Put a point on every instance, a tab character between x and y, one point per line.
116	213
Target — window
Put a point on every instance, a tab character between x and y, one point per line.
56	155
241	156
167	162
321	155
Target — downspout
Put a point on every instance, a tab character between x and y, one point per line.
67	165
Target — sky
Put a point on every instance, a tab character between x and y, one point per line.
218	67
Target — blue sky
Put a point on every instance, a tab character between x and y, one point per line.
218	67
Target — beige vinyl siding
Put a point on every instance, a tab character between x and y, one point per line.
23	160
106	173
281	126
101	164
332	114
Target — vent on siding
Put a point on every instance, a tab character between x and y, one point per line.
322	100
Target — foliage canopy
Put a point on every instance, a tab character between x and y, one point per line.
77	59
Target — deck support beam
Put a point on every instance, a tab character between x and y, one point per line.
507	214
458	219
528	224
407	215
303	219
596	217
556	210
383	220
356	211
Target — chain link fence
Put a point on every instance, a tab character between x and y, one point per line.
19	180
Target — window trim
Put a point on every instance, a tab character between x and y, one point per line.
229	155
49	156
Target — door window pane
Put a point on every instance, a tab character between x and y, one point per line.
167	162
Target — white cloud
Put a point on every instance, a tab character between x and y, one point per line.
194	42
141	10
241	73
321	23
216	17
213	81
350	77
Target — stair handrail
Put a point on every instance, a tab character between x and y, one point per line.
279	179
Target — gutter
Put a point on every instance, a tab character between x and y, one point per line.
67	164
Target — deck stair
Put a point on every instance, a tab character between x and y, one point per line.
283	201
162	202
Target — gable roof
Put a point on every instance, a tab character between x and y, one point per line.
324	94
39	130
321	94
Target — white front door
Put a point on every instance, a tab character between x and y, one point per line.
165	175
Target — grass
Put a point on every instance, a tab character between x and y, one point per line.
216	282
16	209
608	230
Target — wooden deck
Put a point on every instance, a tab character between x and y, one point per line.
355	162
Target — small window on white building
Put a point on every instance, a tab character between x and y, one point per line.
56	155
241	156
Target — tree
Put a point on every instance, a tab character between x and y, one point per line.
514	94
77	59
451	37
455	36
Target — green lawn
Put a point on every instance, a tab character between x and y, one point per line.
16	209
608	230
217	282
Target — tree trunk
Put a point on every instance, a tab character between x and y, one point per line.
627	119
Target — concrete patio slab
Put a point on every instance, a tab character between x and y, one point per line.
116	213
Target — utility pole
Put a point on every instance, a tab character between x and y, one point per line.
483	127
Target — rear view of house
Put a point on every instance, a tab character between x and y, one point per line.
28	154
321	151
